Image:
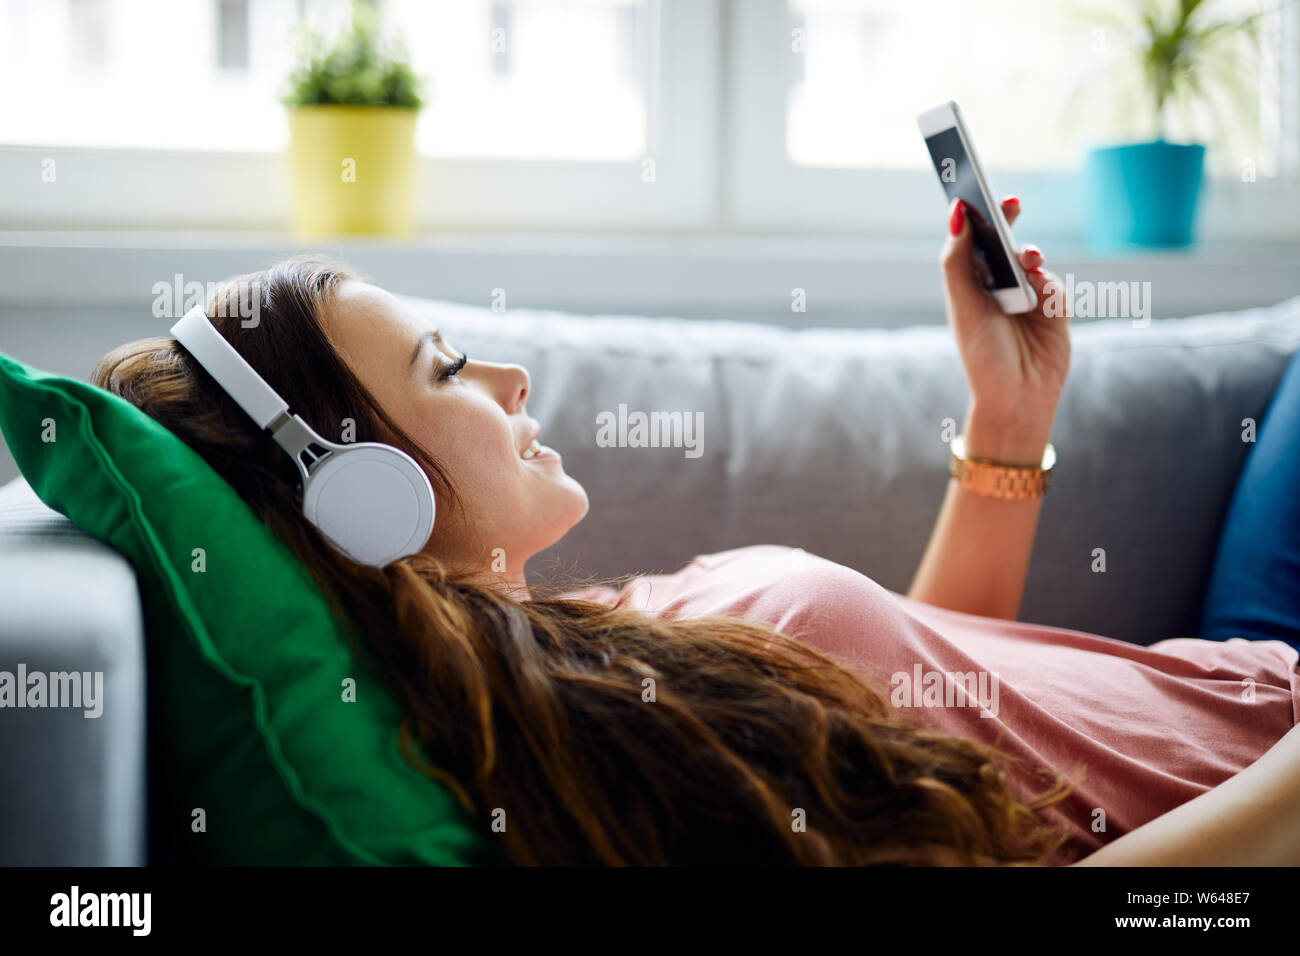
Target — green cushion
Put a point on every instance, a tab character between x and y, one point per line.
247	714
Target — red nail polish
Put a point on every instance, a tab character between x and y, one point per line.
1035	271
1033	249
957	218
1011	199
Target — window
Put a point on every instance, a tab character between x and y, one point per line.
524	79
1023	74
824	95
160	74
780	116
542	113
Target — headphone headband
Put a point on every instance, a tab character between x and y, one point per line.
241	382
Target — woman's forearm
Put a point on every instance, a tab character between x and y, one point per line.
978	554
1251	819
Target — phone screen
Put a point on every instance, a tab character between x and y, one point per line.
958	178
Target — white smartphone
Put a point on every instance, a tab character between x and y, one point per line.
996	259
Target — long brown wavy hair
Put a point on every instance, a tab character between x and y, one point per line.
536	706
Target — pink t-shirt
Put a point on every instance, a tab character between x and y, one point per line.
1152	727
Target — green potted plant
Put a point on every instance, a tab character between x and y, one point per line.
1146	193
352	110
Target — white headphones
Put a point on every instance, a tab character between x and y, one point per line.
372	501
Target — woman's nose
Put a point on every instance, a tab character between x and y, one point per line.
510	384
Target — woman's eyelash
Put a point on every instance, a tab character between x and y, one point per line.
449	371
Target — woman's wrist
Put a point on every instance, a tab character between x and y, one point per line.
1008	442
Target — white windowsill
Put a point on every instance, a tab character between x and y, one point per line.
846	280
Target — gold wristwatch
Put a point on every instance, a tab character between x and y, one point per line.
999	479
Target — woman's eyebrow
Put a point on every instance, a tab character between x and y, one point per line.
435	336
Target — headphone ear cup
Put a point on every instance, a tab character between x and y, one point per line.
373	501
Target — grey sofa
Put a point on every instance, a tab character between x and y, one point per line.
74	791
827	440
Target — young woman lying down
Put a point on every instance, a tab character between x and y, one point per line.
762	705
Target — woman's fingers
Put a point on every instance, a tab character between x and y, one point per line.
1038	278
1051	294
1011	209
1031	258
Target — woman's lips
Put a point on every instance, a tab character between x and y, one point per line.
539	452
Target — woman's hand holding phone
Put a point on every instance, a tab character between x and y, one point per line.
1015	365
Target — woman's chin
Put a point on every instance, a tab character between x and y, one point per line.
581	504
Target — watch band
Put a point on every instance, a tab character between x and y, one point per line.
997	479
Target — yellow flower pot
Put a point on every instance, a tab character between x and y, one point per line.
352	170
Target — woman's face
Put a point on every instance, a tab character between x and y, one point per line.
473	422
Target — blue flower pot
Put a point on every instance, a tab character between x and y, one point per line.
1143	194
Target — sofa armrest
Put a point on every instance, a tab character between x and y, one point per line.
70	604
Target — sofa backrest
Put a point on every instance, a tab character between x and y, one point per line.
833	441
